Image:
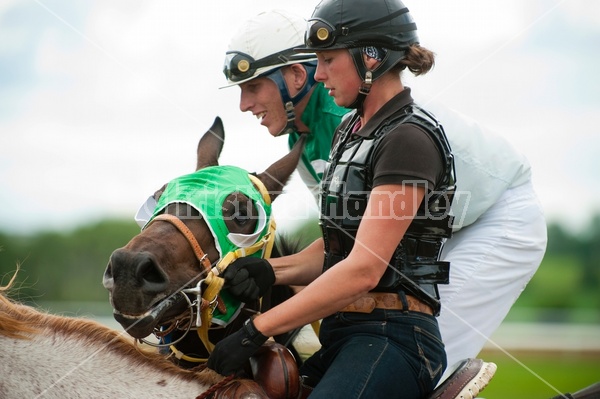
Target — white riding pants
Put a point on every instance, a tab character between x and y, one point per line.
492	260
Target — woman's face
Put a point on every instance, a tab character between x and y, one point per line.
337	72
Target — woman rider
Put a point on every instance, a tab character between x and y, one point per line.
385	200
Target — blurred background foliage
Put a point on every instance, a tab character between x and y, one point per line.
62	266
68	266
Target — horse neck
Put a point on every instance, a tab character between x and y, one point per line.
68	357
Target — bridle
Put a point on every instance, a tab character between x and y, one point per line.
208	299
187	233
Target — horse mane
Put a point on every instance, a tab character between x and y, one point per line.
20	321
13	323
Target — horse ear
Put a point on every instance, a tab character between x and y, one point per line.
210	145
276	175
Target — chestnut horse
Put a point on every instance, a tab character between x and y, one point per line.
159	282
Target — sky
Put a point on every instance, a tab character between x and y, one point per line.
103	101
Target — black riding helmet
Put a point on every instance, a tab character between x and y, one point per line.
355	24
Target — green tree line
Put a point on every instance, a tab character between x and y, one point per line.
68	266
569	276
63	266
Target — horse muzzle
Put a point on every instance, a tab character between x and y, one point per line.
141	326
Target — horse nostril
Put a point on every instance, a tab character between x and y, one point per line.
151	276
107	279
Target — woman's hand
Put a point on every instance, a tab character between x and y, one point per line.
248	279
232	352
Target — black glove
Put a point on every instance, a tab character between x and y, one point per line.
247	279
232	352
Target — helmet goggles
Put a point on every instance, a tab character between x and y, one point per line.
240	66
319	33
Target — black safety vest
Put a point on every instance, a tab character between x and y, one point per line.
347	183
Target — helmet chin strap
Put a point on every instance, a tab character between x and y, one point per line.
289	102
387	60
363	92
365	87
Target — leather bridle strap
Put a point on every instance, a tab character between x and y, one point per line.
187	233
206	311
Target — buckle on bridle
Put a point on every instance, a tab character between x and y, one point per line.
197	291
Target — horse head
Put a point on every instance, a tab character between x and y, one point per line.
199	219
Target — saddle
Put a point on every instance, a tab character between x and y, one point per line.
468	379
274	373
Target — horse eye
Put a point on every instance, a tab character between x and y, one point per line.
238	209
241	217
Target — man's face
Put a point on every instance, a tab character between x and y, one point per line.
261	96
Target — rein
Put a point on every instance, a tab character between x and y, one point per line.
208	299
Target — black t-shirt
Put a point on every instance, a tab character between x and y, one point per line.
407	153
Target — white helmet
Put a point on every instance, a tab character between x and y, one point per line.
261	47
264	43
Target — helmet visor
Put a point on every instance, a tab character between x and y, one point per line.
319	34
238	66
